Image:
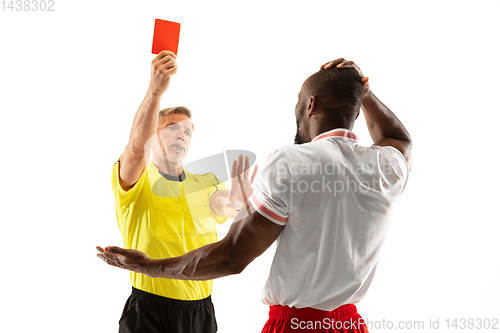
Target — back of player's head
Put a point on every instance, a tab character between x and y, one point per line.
338	92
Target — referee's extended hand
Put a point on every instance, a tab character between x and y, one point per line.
241	184
133	260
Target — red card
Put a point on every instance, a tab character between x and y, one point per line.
166	36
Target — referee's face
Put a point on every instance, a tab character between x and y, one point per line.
174	137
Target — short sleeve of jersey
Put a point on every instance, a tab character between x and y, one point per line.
211	184
394	166
272	196
125	198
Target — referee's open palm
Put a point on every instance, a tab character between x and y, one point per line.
241	184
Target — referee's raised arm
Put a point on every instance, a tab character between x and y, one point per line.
133	161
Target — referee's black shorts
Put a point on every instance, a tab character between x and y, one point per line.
148	313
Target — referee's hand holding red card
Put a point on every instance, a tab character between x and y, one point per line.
163	67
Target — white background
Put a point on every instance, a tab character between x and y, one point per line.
71	81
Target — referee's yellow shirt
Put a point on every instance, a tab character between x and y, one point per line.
165	217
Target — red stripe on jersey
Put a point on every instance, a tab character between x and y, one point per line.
337	133
266	211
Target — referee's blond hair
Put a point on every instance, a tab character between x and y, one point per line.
176	109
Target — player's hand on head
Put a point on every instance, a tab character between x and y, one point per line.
332	63
342	63
163	66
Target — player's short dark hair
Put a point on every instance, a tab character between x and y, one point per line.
339	92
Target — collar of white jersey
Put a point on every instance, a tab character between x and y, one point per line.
336	132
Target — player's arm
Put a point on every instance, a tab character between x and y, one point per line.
247	239
384	127
133	159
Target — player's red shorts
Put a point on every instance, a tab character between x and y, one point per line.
344	319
